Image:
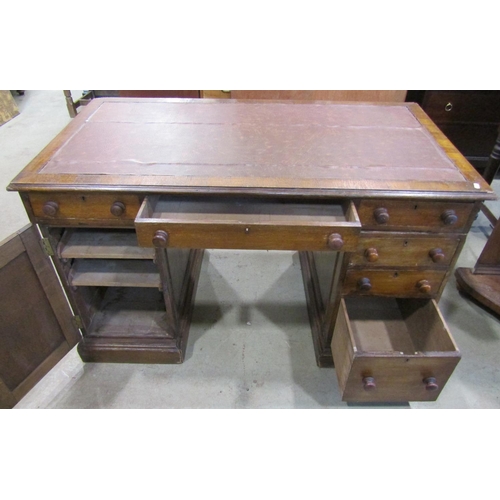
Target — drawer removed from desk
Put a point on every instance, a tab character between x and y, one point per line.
247	223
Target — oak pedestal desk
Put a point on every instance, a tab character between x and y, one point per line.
374	198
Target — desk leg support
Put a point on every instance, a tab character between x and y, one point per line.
322	307
483	282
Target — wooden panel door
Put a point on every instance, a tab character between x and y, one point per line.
36	326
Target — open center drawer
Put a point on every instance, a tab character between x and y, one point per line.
247	223
392	350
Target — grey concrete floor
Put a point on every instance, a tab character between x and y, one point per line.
250	344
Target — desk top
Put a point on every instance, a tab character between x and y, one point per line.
254	147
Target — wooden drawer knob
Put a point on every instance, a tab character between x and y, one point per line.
371	254
424	286
431	384
381	215
449	217
364	284
369	383
160	239
50	208
437	255
335	241
117	208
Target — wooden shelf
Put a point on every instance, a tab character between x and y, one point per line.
103	244
101	272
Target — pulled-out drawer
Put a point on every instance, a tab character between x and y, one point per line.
414	215
82	209
247	223
378	249
394	282
392	350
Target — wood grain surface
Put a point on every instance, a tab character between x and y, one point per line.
396	343
318	95
8	107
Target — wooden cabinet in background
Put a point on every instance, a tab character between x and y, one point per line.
299	95
323	95
469	118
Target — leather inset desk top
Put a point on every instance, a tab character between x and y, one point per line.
251	145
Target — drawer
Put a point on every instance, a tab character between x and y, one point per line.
85	209
411	215
379	249
246	223
462	106
393	283
391	350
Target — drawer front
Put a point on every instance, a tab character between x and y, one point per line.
246	224
466	106
393	283
404	250
397	378
408	215
388	350
85	209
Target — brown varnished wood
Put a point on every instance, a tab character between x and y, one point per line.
323	301
328	95
172	312
414	215
384	341
8	107
484	288
215	94
42	264
83	300
483	282
393	282
36	327
83	208
404	249
245	224
114	272
490	255
184	94
102	244
449	106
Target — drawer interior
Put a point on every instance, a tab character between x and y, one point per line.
397	326
246	210
388	349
